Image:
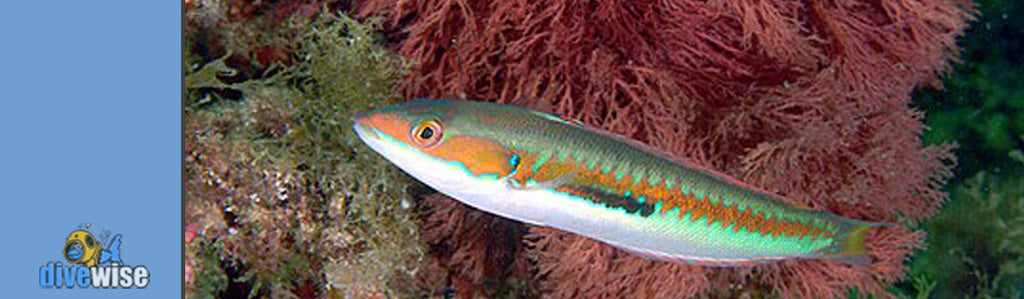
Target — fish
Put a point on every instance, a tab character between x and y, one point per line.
545	170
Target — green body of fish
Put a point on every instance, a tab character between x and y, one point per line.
540	169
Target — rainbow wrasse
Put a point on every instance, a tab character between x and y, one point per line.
540	169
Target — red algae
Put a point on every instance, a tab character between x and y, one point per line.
806	99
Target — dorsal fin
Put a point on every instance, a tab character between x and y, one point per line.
564	120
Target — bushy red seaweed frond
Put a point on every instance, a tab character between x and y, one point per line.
468	246
571	266
807	99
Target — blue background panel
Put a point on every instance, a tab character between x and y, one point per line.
91	118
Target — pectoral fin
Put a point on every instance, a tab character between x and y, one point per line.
535	185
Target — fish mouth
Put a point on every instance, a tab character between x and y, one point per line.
371	137
363	127
75	254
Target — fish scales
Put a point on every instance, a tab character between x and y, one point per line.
597	184
617	162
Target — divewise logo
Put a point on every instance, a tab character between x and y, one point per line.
92	265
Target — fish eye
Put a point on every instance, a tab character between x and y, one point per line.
427	134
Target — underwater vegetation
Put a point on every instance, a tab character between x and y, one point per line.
977	248
253	35
280	199
806	99
975	242
982	102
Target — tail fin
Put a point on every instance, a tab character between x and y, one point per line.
113	254
848	246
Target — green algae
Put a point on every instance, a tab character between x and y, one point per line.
977	243
287	200
982	99
974	244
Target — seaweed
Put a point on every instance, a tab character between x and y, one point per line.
983	99
282	199
806	99
977	244
969	253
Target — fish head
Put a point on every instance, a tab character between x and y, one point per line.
438	143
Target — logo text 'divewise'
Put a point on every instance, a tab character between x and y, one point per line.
93	261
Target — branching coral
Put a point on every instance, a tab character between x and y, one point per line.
807	99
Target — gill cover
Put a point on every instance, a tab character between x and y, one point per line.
413	134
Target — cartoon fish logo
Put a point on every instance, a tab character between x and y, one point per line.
82	248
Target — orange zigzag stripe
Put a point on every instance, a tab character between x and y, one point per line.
670	199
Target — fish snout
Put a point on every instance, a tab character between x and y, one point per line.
377	124
362	123
361	119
